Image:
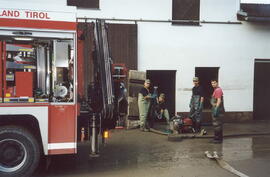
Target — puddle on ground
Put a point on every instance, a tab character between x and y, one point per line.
149	151
246	148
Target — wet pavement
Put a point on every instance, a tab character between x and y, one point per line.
132	153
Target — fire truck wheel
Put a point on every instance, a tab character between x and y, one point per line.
19	152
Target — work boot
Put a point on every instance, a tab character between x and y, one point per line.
218	135
203	132
197	126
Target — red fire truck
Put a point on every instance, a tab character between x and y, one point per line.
56	83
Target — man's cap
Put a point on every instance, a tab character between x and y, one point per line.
196	79
162	95
147	81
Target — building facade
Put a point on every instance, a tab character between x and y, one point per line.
208	41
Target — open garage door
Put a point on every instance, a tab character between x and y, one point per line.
165	81
261	90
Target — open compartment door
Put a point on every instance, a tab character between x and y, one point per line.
2	75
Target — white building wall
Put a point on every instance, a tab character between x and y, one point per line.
45	5
33	3
233	48
162	46
130	9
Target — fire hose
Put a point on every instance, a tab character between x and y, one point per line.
175	137
202	135
223	164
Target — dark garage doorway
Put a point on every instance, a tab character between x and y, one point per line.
165	80
206	74
261	109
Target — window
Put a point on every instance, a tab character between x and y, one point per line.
186	10
84	3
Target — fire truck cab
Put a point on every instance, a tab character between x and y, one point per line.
42	64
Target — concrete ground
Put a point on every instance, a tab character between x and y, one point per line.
132	153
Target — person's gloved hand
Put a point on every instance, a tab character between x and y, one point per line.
161	111
201	106
215	111
159	116
190	104
153	96
149	96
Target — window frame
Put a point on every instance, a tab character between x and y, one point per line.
182	16
91	4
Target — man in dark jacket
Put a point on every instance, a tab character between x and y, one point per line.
196	104
144	100
161	108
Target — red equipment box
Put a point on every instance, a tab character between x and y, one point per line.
24	84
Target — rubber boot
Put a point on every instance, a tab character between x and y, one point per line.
218	137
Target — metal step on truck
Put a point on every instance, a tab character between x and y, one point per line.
57	87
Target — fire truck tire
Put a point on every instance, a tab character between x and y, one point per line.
19	152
